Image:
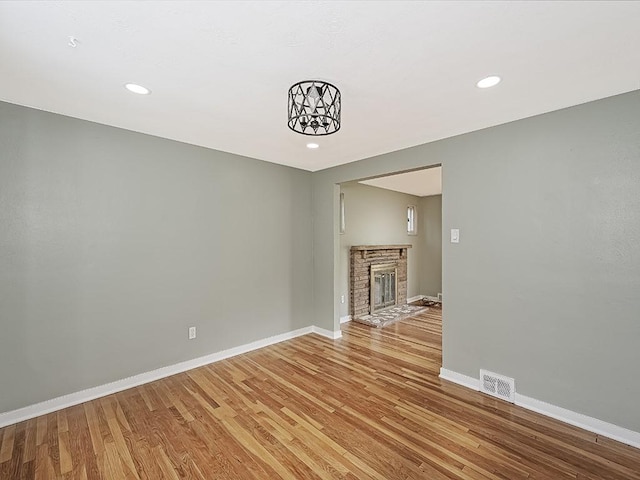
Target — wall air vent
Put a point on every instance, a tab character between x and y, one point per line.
498	385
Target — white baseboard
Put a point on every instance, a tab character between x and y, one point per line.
591	424
333	335
48	406
576	419
460	379
415	299
345	319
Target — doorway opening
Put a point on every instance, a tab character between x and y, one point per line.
397	215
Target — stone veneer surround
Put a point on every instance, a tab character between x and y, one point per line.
362	257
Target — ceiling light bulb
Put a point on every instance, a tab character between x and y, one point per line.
488	82
139	89
312	145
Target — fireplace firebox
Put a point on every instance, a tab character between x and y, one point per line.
384	286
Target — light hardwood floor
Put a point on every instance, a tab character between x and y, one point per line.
370	405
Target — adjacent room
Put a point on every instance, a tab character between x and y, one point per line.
319	240
393	224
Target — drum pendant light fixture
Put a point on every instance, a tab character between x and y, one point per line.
314	108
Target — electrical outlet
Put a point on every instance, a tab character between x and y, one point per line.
192	333
342	299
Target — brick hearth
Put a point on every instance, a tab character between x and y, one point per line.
362	257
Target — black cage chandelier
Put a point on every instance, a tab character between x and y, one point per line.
314	108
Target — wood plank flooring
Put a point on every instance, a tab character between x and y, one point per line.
368	406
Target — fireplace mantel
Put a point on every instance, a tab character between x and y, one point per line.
379	247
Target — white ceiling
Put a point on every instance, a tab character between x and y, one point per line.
220	71
421	183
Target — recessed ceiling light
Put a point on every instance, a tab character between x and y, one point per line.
312	145
139	89
488	82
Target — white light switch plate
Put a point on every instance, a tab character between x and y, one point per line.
192	333
455	235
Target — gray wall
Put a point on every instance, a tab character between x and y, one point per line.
430	232
113	243
376	216
544	283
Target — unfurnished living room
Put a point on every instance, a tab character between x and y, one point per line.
319	240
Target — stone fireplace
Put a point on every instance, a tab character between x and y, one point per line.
377	278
